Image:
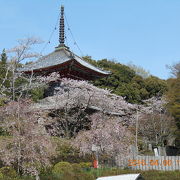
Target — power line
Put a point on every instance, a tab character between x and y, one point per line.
51	35
75	43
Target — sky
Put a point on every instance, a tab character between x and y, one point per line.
143	32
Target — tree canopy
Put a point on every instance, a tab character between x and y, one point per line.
124	81
173	96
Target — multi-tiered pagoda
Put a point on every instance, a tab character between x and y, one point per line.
64	61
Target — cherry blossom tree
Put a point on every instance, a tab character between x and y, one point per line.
92	115
29	146
108	134
156	127
75	100
18	54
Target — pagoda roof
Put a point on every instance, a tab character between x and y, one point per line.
59	56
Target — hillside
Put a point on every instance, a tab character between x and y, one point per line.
124	81
78	116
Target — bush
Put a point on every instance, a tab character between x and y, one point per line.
2	101
37	94
8	171
67	153
1	175
65	170
85	165
76	168
62	167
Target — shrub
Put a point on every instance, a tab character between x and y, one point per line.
67	153
76	168
62	168
2	101
85	165
37	94
65	170
8	171
1	175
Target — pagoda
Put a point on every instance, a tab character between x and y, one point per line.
64	61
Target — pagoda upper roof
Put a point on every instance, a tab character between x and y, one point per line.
59	56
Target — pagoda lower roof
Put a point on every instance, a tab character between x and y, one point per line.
59	56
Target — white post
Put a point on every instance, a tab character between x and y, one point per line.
137	132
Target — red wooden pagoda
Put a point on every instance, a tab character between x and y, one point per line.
64	61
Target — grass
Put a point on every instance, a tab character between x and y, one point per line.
148	175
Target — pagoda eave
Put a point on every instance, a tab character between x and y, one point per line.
71	69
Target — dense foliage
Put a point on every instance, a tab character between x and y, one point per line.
173	96
124	81
5	75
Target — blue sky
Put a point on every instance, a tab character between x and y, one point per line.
145	32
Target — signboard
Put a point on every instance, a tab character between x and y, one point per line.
95	148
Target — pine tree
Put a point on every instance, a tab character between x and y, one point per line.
3	57
3	62
4	72
173	96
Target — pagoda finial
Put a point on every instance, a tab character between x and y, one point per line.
61	28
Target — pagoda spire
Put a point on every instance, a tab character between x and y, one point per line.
61	28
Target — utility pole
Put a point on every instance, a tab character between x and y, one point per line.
137	119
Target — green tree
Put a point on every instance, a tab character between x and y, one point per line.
5	73
125	81
3	57
173	96
155	86
130	92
